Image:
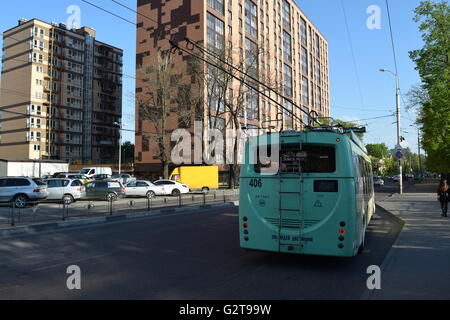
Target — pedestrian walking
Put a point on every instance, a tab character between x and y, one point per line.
444	196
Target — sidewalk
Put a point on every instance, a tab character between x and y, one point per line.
418	265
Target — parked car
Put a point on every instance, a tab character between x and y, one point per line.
101	176
105	190
73	175
172	187
22	191
95	170
396	178
123	178
68	190
142	188
378	181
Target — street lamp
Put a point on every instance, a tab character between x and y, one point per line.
120	125
397	93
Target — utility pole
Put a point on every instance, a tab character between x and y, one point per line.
420	161
397	95
120	125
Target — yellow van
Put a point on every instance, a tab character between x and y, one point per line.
202	178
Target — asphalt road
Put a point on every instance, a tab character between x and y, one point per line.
187	256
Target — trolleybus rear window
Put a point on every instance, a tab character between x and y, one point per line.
307	159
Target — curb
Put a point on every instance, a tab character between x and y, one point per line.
367	295
42	227
391	215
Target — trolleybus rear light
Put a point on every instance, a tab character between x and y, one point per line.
342	224
245	219
245	231
341	246
338	140
342	232
245	225
341	238
246	239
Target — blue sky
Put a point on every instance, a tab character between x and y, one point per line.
372	51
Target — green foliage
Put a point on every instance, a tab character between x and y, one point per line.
379	150
432	98
127	152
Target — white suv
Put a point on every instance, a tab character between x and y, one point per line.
22	191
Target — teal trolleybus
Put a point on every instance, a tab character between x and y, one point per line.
320	200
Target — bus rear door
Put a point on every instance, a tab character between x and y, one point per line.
291	213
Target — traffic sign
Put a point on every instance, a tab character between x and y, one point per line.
399	155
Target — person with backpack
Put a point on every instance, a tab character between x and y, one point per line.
444	196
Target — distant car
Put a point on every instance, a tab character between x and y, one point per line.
104	190
142	188
378	181
95	170
74	176
396	178
124	178
22	191
172	188
101	176
68	190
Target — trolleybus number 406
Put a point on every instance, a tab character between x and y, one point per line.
256	183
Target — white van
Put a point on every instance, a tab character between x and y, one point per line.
96	170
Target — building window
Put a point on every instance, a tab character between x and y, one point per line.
252	107
287	80
251	18
303	35
216	5
305	91
317	46
318	74
304	61
215	33
251	58
288	118
286	14
287	46
319	99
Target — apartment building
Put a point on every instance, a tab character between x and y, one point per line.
294	56
60	94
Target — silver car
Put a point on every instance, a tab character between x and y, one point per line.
68	190
124	178
22	191
141	188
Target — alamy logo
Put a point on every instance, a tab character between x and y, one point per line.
374	20
74	20
374	281
74	280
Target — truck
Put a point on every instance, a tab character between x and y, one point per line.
31	168
89	172
202	178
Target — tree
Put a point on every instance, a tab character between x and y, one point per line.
164	93
231	102
379	150
128	152
432	96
